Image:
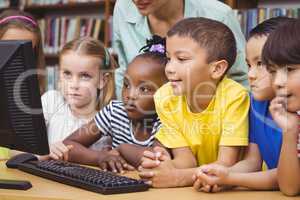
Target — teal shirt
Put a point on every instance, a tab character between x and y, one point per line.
131	29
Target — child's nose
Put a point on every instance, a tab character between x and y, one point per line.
74	83
252	73
280	78
133	93
170	68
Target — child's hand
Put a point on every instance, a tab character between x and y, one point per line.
287	121
210	177
152	159
60	151
114	162
162	177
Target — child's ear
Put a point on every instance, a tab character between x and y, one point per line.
104	79
218	69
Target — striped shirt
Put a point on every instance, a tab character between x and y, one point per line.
113	121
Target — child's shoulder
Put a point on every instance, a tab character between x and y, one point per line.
115	106
52	96
231	88
230	92
53	101
116	103
257	106
52	93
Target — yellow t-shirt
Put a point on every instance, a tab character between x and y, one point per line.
223	123
4	153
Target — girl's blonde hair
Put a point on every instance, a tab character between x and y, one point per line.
91	47
22	20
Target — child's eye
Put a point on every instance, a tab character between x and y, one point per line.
249	66
168	59
85	76
271	71
290	69
181	59
145	89
126	85
259	64
66	74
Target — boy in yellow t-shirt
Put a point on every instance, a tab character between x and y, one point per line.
204	114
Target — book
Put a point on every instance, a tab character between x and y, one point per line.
58	30
249	18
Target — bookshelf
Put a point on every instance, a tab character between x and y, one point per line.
5	4
63	20
252	12
77	15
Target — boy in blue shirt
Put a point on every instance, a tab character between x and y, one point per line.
264	135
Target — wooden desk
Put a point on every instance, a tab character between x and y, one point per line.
44	189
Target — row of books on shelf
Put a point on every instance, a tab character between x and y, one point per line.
51	77
57	31
53	2
251	17
4	3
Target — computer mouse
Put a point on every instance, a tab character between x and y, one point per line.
20	158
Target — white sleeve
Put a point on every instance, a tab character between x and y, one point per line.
51	103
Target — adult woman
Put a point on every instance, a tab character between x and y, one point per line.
136	20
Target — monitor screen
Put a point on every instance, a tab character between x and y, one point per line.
22	124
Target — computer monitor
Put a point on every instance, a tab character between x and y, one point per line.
22	124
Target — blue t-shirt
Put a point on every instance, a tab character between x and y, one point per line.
264	132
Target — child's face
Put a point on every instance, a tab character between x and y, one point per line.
142	78
79	79
187	69
20	34
287	84
260	79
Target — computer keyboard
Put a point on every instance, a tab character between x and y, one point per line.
83	177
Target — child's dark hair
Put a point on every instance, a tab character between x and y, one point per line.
155	49
283	45
215	37
268	26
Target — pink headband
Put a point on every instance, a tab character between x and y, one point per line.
18	17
